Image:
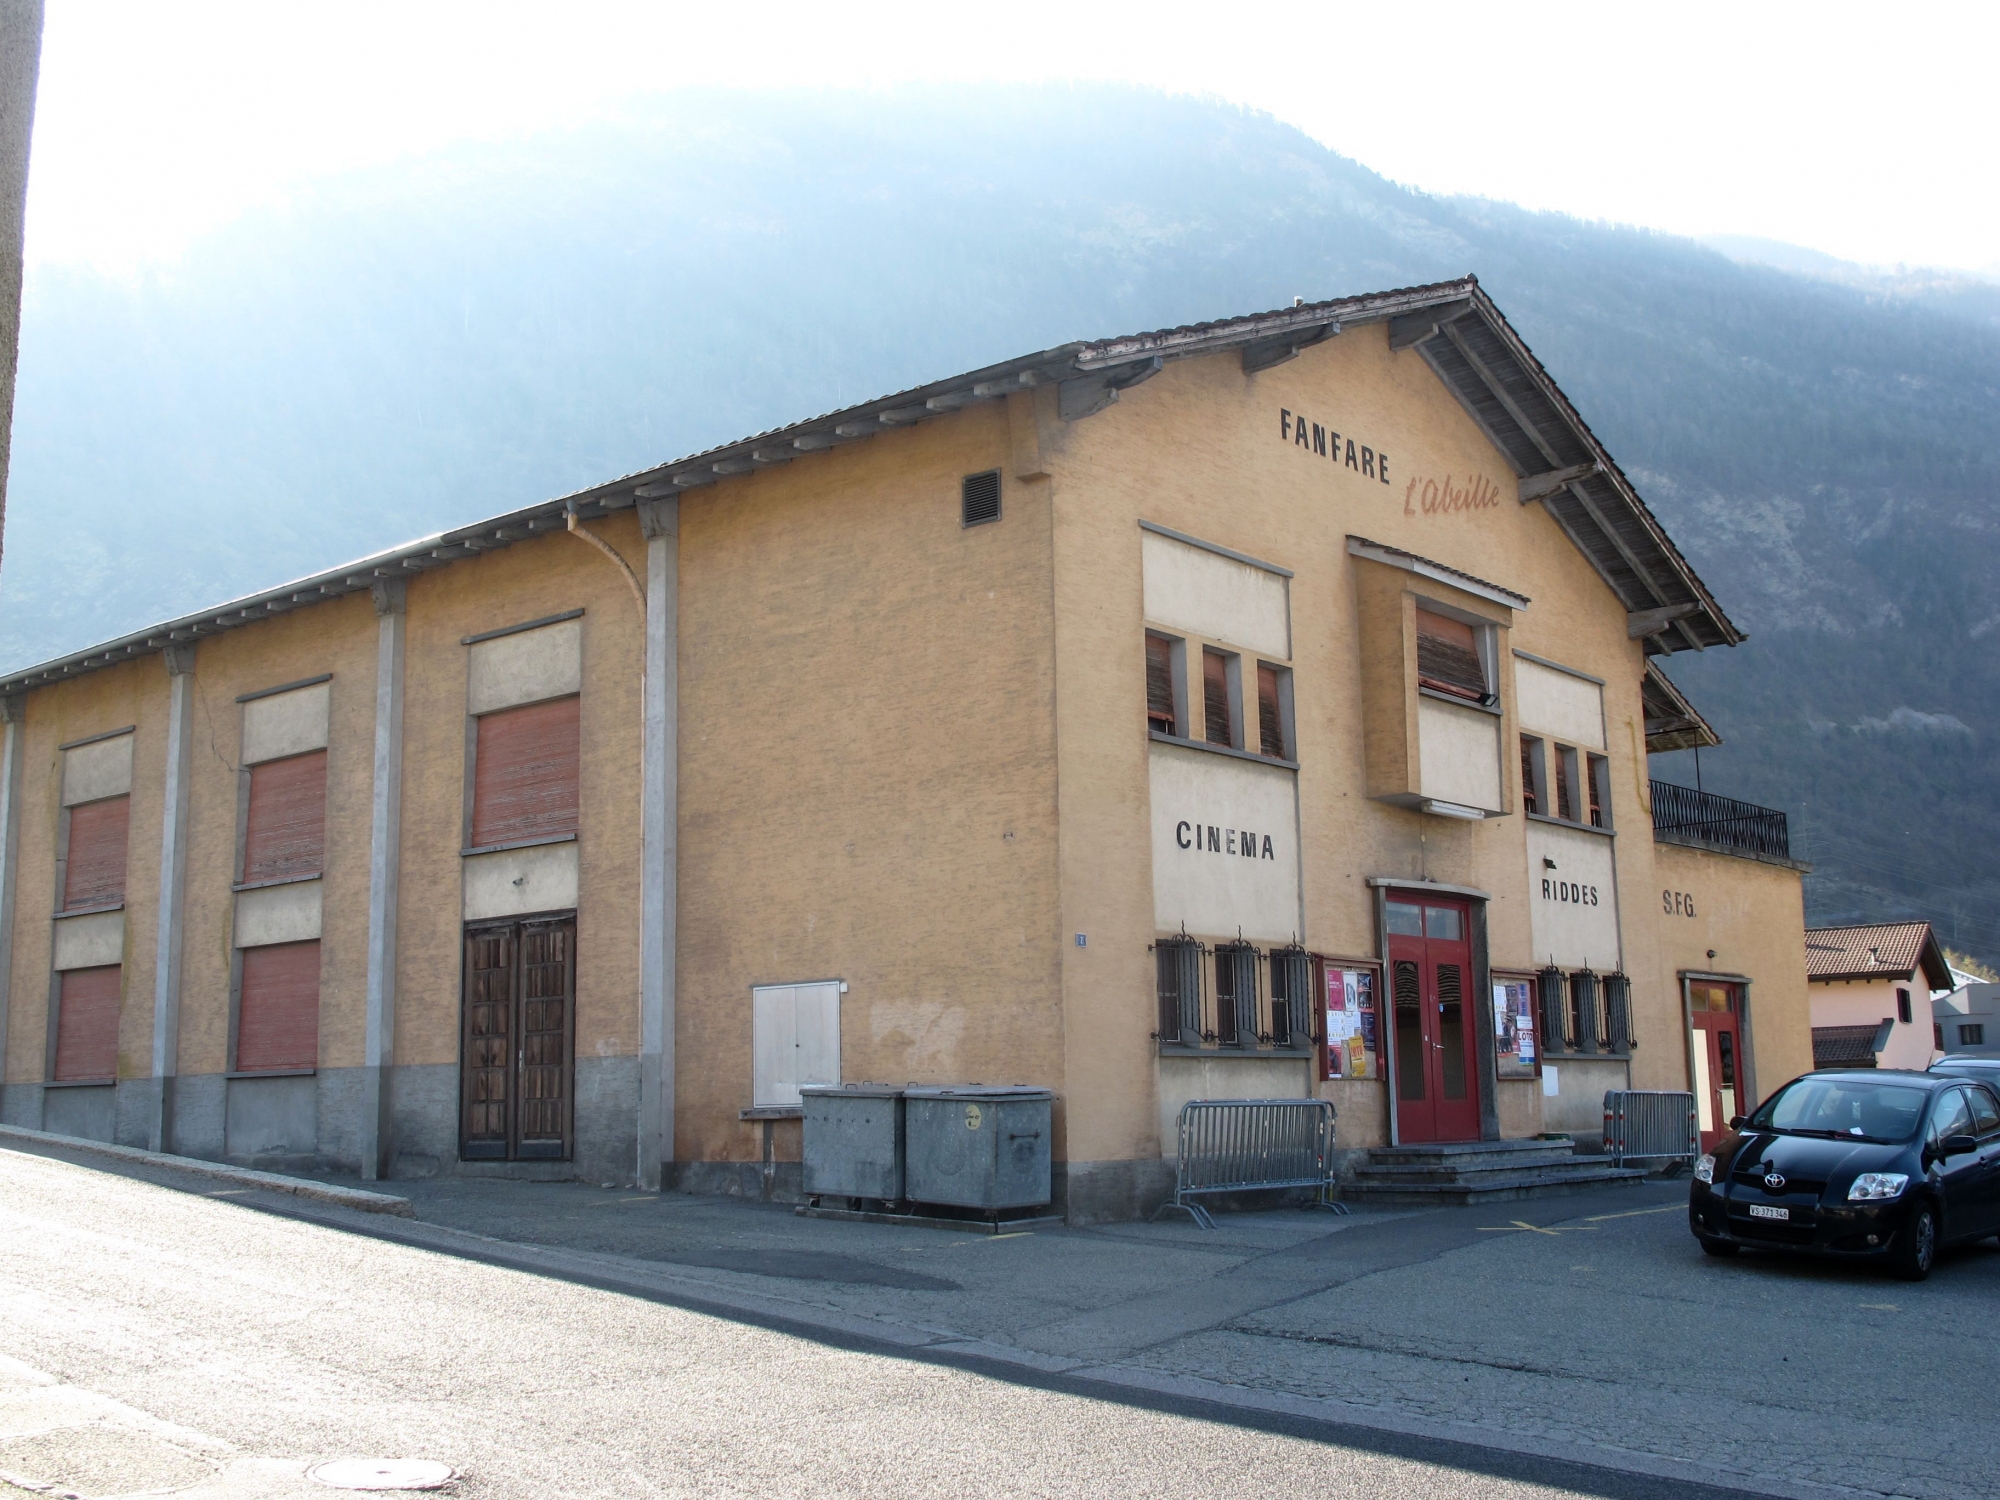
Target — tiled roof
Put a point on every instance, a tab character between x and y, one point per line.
1844	1046
1452	325
1883	951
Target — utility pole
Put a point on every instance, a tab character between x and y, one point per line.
20	67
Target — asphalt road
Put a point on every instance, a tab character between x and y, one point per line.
158	1338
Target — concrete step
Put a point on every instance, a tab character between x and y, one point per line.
1458	1150
1467	1166
1495	1187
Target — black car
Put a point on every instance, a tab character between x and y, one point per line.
1985	1069
1859	1163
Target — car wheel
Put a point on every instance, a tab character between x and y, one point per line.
1916	1247
1721	1249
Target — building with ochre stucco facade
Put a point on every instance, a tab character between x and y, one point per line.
1258	709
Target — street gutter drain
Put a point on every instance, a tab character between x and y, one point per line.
382	1474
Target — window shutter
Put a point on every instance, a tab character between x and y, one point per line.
1617	1013
284	831
1555	1009
94	874
1217	724
1583	1011
87	1024
1236	994
1160	684
1448	657
1291	996
1178	965
277	1016
1270	723
524	779
979	498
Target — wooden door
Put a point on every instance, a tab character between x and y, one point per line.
1716	1011
517	1067
1430	996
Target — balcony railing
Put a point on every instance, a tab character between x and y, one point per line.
1682	814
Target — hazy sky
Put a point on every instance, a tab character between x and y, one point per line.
1864	131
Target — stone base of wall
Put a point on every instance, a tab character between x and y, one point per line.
783	1183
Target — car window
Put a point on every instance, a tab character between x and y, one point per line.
1950	1116
1985	1112
1843	1106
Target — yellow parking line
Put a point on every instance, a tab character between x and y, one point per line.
1638	1213
1522	1226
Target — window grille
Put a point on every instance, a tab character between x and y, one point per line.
1178	964
1583	1031
1236	994
1972	1036
1618	1014
979	498
1555	1009
1291	998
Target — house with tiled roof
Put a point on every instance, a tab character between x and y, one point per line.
1871	991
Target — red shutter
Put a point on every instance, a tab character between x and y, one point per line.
1270	721
285	831
1448	657
94	874
1216	719
524	779
87	1023
1160	684
277	1018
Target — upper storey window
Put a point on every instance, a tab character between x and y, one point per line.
1218	647
1449	659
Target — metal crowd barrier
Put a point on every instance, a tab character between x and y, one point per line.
1250	1145
1649	1125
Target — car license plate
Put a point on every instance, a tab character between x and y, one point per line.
1765	1211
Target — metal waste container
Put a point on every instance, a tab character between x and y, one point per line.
853	1140
975	1147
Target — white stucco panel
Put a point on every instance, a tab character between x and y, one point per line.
102	768
90	942
1206	594
512	882
526	667
1575	904
1225	845
1458	754
1558	705
278	914
286	723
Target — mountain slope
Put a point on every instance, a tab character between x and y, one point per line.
415	348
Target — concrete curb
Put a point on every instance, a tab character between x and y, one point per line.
272	1182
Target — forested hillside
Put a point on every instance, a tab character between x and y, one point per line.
414	348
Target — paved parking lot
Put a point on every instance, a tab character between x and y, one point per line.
1518	1340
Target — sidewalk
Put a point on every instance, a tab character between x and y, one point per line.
1588	1328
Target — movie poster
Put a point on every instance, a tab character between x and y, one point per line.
1350	1024
1514	1028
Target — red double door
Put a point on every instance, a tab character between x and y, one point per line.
1430	1001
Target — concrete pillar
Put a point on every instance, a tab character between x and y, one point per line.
12	711
173	898
385	858
659	827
